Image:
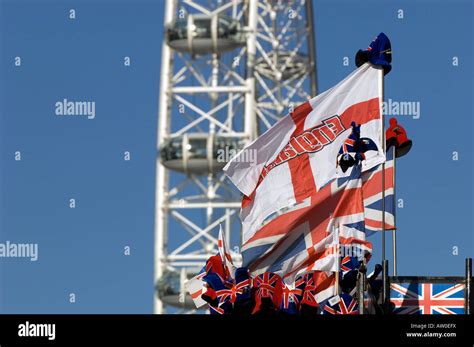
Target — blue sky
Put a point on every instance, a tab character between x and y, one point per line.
81	250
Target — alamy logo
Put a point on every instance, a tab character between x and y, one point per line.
19	250
37	330
75	108
402	108
224	155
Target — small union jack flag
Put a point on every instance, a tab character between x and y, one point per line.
341	304
349	264
291	296
197	287
230	294
427	298
319	286
243	283
267	285
219	297
310	287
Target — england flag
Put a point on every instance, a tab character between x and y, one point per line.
297	156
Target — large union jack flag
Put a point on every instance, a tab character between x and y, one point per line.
372	192
427	298
302	239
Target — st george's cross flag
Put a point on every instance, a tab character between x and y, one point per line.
226	257
195	287
221	264
297	156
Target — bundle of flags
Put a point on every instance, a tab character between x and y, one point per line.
240	293
220	284
318	171
311	199
297	158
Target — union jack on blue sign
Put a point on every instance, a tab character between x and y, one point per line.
427	298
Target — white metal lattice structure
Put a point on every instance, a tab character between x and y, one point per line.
229	70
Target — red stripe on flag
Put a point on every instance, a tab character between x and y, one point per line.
300	168
375	224
374	185
361	112
196	294
347	207
302	177
317	214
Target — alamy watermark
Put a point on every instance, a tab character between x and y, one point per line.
28	329
66	107
246	156
346	251
402	108
390	108
19	250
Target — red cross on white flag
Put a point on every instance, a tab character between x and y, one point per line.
297	156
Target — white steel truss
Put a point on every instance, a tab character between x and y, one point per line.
234	94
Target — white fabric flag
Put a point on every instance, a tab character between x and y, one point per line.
196	287
226	257
298	155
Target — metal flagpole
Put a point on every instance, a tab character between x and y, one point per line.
361	284
381	92
338	266
386	288
385	268
394	234
468	287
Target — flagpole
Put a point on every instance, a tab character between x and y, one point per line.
384	262
381	93
394	235
338	266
